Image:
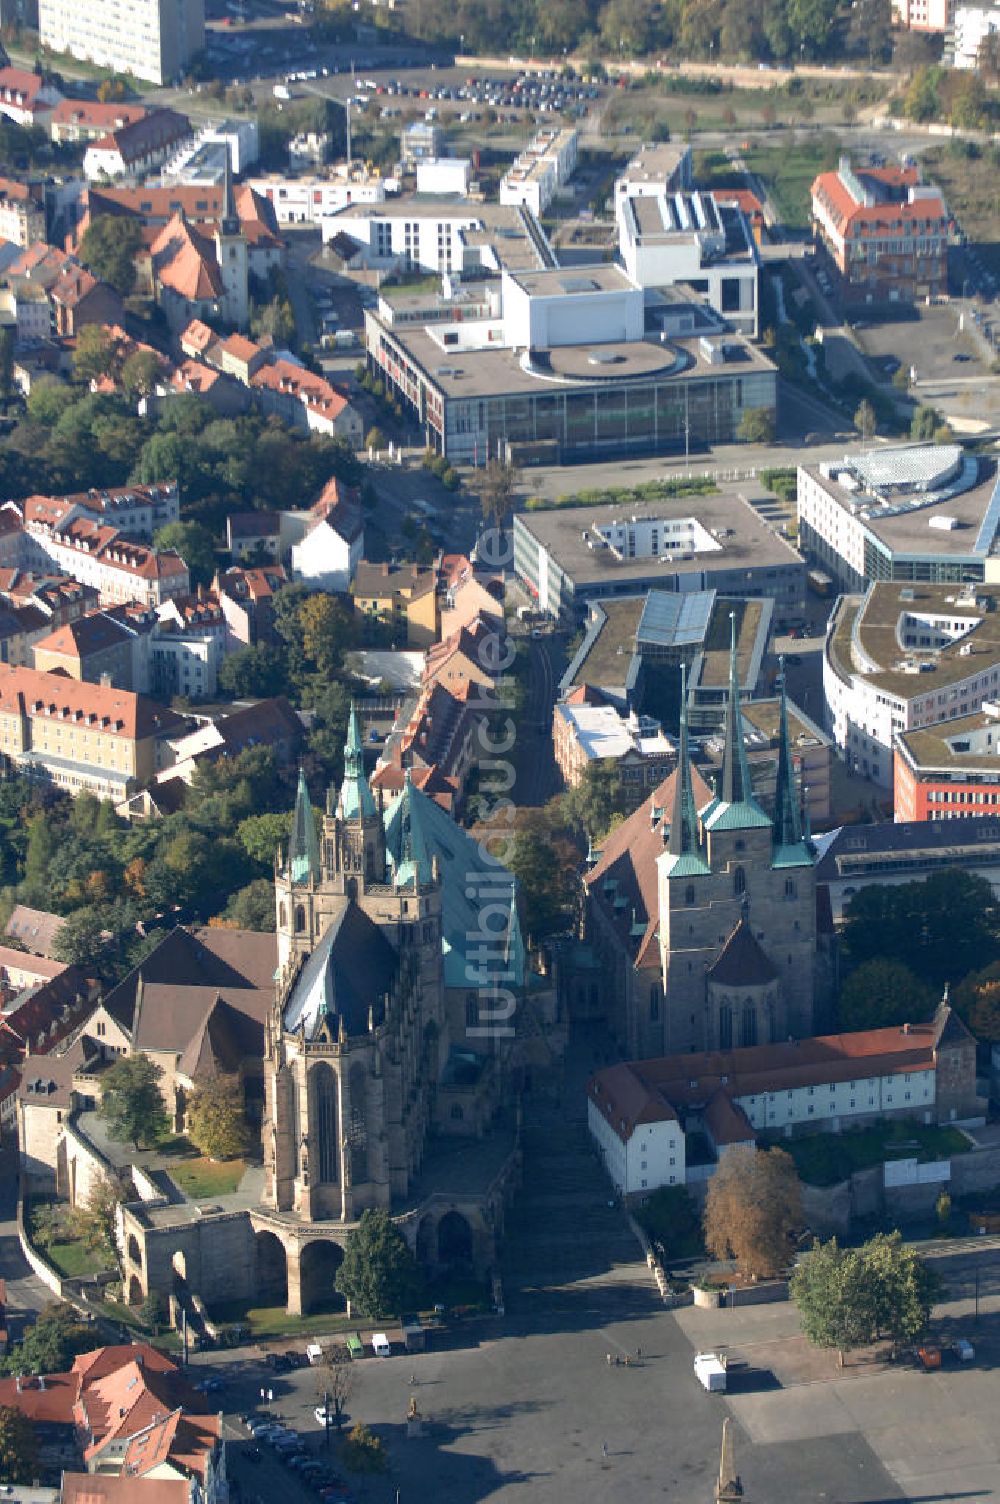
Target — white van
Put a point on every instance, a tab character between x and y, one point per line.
380	1345
314	1353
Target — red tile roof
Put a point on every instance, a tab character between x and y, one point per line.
830	189
664	1085
628	857
185	261
91	114
117	712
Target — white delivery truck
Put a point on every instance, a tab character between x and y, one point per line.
710	1371
380	1345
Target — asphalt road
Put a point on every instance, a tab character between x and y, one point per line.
26	1294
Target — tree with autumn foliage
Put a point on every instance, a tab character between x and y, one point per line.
216	1123
752	1210
976	1000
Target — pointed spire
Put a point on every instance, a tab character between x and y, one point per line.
684	839
356	797
230	218
791	844
303	848
787	817
736	785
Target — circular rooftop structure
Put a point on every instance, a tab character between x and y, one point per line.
631	361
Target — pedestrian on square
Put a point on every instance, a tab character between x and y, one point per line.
604	1448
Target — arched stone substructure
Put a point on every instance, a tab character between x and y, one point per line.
133	1250
456	1247
426	1243
271	1269
319	1261
133	1291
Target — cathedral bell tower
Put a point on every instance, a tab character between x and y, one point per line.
353	832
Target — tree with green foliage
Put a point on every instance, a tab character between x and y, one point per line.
96	1221
131	1101
379	1274
140	373
834	1304
19	1454
756	426
849	1298
216	1118
924	423
252	907
881	993
51	1343
256	670
95	355
865	421
921	102
153	1311
82	937
544	862
375	439
598	800
943	927
329	630
261	835
870	29
753	1207
109	247
194	544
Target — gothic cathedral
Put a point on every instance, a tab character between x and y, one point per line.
702	908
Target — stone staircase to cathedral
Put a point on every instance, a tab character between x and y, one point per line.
565	1226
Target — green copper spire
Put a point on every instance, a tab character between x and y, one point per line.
303	848
736	785
356	797
684	815
790	847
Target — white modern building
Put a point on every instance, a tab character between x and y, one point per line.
669	237
153	39
548	308
440	235
310	200
973	24
919	512
541	170
444	175
902	658
660	167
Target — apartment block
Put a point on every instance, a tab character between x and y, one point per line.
152	39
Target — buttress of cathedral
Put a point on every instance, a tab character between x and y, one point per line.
702	907
370	1041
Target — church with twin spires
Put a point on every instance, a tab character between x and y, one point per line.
701	908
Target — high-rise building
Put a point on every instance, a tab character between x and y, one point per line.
152	39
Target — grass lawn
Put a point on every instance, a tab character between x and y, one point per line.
788	172
73	1260
828	1158
967	176
274	1321
201	1179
